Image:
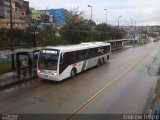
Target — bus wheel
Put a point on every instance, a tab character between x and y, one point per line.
73	73
107	56
103	61
99	63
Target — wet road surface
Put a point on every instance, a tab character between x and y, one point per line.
123	85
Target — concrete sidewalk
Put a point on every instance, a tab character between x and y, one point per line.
12	77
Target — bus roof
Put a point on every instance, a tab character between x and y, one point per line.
67	48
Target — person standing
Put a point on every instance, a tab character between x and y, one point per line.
24	67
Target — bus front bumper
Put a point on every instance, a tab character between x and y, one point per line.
48	77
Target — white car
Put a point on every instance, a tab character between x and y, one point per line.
3	57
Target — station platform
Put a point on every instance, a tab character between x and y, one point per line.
12	78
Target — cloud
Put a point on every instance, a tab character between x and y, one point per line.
130	9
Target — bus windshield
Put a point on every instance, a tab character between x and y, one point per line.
48	59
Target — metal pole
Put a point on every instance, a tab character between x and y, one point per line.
91	13
118	20
132	21
146	34
90	23
106	15
142	32
34	38
11	38
132	28
135	31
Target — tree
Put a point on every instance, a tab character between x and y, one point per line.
49	36
4	39
103	32
33	19
76	27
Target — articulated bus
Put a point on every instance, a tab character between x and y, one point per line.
60	62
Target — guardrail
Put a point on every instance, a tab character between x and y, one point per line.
116	44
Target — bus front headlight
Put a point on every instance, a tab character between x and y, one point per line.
54	73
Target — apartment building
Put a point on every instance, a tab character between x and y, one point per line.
20	9
58	16
46	17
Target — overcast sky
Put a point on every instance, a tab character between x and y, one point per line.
137	10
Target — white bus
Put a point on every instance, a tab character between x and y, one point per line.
58	63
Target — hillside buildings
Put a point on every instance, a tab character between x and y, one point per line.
20	9
23	16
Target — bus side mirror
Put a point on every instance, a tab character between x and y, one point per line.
35	56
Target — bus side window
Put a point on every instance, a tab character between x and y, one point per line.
107	49
66	59
86	54
80	55
93	52
61	59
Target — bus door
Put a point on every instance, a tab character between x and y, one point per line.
93	57
64	63
88	58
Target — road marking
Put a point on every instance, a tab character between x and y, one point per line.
90	100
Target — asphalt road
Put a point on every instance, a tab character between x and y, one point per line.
125	84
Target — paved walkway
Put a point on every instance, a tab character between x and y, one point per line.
12	77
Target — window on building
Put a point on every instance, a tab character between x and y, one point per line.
22	14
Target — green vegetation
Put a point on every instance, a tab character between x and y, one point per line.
152	34
4	38
5	67
20	38
141	43
157	38
75	30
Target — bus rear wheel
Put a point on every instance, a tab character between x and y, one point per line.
99	63
73	72
108	57
103	61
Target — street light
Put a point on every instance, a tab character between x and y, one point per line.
11	38
118	20
135	30
91	10
132	21
106	15
90	23
132	29
142	31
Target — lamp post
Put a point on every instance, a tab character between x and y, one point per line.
90	23
106	15
132	29
11	38
135	30
118	20
142	31
132	21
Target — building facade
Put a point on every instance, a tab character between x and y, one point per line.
17	23
36	15
46	17
20	9
4	8
58	16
